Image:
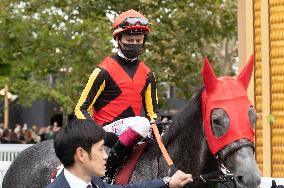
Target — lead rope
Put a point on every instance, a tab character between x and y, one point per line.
162	146
222	175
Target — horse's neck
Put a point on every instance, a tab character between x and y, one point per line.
188	148
186	144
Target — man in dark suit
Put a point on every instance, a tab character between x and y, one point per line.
80	148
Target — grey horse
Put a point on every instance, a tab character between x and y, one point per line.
185	141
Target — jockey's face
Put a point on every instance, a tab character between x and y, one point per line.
95	162
132	39
131	46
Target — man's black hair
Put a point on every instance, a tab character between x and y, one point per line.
79	133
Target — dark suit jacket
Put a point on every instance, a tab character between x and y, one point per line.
61	182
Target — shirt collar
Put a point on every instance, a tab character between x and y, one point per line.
74	181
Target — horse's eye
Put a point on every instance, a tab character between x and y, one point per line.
216	121
252	117
220	122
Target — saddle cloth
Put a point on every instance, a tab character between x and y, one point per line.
125	172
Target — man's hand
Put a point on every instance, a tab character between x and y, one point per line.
180	179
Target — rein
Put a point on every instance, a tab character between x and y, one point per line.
222	175
161	144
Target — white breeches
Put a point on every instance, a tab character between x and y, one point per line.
139	124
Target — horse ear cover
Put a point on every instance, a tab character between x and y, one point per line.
229	94
209	78
245	75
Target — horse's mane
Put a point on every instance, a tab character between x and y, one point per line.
186	116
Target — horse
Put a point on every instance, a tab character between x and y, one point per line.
215	128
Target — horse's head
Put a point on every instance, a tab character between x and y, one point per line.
229	120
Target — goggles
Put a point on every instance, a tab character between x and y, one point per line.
133	21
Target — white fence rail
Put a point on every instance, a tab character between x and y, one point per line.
8	152
4	165
266	182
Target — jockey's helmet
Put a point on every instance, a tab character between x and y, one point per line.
130	22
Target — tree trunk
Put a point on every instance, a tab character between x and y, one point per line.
6	107
64	117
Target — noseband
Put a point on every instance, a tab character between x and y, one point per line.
233	147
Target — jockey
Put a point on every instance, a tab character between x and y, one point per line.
119	87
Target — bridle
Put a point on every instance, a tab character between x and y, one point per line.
222	174
233	147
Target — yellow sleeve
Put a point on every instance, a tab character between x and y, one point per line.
151	98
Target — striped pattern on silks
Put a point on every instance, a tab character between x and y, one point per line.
115	91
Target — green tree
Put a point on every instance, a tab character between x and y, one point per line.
49	48
184	32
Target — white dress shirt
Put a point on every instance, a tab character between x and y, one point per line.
74	181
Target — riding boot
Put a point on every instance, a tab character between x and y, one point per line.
119	154
116	159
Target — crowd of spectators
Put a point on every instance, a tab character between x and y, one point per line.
21	134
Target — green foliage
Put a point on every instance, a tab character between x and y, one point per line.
183	32
270	118
49	48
